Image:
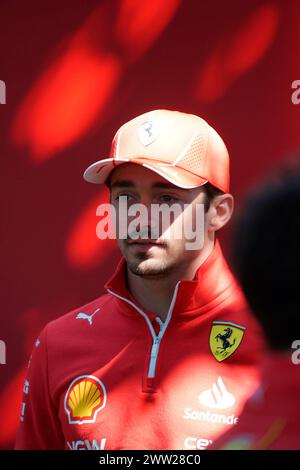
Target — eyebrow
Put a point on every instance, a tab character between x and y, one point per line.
129	183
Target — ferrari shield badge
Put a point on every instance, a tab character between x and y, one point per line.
225	338
148	132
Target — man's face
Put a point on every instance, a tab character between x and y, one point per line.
140	185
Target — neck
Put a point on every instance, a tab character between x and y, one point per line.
155	294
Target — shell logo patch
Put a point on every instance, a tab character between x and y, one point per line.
85	397
225	338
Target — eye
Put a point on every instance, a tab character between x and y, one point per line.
167	198
127	195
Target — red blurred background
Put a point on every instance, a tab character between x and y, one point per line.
74	72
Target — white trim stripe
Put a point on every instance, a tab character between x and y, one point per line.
156	338
229	323
186	148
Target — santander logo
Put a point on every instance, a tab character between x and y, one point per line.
217	396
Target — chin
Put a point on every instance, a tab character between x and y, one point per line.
148	268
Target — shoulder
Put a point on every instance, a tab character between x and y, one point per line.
71	322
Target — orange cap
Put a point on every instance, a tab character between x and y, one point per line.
183	148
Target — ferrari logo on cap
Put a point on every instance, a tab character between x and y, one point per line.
148	132
225	338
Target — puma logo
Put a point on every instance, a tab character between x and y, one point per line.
87	317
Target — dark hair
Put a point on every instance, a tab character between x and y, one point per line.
266	255
211	192
107	181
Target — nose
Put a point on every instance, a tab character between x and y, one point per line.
147	226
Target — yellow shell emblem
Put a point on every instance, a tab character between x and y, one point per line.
225	338
85	397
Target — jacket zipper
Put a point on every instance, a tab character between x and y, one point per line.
163	326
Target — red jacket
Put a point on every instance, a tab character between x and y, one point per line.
271	417
111	375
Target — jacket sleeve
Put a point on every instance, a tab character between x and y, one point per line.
39	426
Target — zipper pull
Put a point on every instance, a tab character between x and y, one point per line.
153	357
155	346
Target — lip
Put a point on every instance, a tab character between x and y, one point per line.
143	244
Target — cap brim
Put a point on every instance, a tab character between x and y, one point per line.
98	172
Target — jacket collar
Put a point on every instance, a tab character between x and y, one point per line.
212	283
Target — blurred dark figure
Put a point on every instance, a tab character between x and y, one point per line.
266	260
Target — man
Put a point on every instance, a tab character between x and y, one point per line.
267	262
168	356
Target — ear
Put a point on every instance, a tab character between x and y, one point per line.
220	211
